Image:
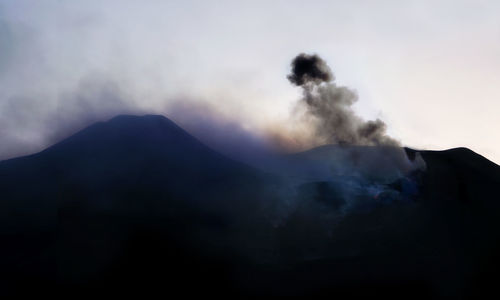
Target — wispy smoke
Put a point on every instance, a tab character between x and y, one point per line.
329	107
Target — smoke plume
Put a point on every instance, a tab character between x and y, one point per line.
309	68
328	107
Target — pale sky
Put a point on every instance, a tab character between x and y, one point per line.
429	69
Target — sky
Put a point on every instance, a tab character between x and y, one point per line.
429	69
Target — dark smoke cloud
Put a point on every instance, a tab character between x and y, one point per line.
309	68
328	107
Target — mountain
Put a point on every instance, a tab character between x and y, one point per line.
68	212
136	204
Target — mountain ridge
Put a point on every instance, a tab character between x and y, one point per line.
139	195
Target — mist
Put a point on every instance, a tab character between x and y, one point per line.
68	66
64	66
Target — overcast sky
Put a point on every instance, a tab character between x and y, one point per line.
429	69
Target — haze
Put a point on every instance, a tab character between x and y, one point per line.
429	69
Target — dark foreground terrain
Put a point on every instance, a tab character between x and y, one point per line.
136	205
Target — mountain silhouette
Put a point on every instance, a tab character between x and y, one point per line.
66	209
136	204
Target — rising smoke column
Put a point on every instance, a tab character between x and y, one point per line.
329	107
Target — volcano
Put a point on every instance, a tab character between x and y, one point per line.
136	204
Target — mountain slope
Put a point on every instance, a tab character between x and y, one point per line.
68	212
137	204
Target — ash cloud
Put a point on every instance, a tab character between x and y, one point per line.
309	68
328	107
